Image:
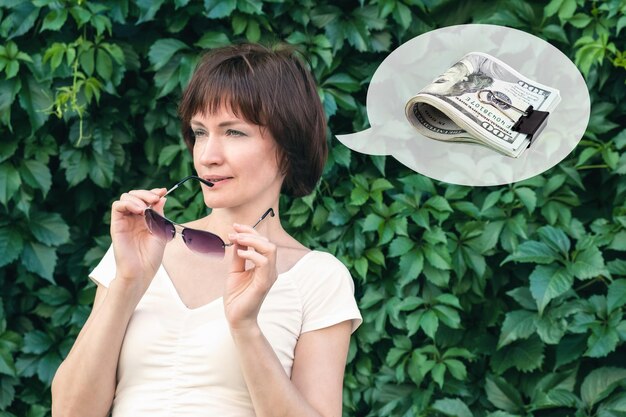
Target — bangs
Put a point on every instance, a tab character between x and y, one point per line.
232	84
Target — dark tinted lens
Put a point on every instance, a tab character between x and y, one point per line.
203	242
159	225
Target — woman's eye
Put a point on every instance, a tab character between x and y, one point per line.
232	132
198	133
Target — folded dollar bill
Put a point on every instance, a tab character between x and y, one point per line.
479	99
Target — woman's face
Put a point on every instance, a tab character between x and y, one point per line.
238	157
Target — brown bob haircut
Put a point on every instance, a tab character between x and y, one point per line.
271	88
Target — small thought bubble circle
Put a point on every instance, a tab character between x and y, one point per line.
414	64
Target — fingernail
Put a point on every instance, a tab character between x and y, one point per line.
236	224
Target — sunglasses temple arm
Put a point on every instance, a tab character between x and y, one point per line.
269	211
190	177
170	190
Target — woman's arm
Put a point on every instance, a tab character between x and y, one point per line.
84	384
315	388
316	384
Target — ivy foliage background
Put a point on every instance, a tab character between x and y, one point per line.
501	301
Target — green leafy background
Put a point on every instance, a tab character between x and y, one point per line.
500	301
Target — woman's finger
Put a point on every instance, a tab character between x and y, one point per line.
259	243
244	228
127	197
149	197
127	207
238	263
258	259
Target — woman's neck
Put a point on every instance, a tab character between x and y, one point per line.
221	221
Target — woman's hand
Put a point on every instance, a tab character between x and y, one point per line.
138	253
246	289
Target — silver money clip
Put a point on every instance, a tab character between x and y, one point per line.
531	122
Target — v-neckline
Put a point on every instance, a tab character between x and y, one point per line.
180	301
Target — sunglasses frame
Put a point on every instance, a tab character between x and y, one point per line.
150	212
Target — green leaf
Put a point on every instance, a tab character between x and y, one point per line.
400	245
101	172
162	51
7	366
104	65
601	342
453	407
550	329
76	165
523	297
54	20
211	40
344	82
456	368
372	222
619	240
37	342
49	228
614	406
552	8
36	174
47	367
438	203
437	257
21	20
525	355
555	238
11	244
359	196
411	265
216	9
448	316
35	99
616	296
375	255
588	263
527	197
448	299
548	282
532	251
148	8
39	259
567	9
8	92
491	200
555	32
437	374
429	323
519	324
10	182
37	411
580	20
569	349
617	267
54	296
600	383
503	395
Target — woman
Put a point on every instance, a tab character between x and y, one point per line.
262	329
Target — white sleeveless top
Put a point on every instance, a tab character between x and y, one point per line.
181	362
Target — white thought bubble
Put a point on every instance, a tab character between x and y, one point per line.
417	62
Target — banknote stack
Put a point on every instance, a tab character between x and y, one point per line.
479	99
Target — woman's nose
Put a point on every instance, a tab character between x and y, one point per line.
211	151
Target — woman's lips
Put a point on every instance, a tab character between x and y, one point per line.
217	181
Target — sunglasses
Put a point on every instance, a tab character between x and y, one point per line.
199	241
